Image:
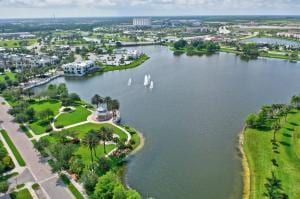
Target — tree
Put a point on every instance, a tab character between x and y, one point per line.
3	186
105	134
74	97
103	165
96	99
76	165
91	140
89	180
296	101
46	113
274	188
180	44
62	154
276	127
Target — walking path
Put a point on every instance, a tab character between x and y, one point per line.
40	170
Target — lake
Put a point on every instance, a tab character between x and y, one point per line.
274	41
191	118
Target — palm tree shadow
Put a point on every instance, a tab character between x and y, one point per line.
285	143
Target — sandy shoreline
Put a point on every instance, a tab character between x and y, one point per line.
141	145
245	166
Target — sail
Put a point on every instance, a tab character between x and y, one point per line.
129	82
146	81
151	85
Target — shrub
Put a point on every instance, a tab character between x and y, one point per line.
48	129
59	126
35	186
19	186
67	109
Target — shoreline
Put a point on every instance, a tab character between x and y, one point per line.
245	166
140	146
128	157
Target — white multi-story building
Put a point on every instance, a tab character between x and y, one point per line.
142	21
78	68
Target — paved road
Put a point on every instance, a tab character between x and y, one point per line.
39	169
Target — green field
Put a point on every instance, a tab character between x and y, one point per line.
80	114
13	148
259	152
44	104
13	43
84	152
81	131
40	126
23	194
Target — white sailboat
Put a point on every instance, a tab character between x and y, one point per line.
129	82
151	85
146	80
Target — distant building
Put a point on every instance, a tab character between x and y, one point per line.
79	68
142	21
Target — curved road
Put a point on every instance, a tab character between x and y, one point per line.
40	170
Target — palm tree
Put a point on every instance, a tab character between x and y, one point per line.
274	187
296	101
276	127
96	99
105	134
91	140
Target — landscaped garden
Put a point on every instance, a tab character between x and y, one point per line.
88	152
271	145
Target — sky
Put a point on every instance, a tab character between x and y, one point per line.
89	8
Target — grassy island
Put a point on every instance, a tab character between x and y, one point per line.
271	145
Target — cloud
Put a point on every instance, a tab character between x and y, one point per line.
153	3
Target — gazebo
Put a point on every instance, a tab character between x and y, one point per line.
103	114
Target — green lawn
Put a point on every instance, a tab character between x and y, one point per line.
80	114
54	105
85	154
23	194
13	43
13	148
258	149
40	126
81	130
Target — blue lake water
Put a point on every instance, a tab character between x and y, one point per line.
191	118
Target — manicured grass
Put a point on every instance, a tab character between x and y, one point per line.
85	154
13	148
71	187
80	114
258	149
23	194
13	43
134	64
54	105
40	126
81	130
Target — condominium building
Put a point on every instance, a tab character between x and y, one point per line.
78	68
142	21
